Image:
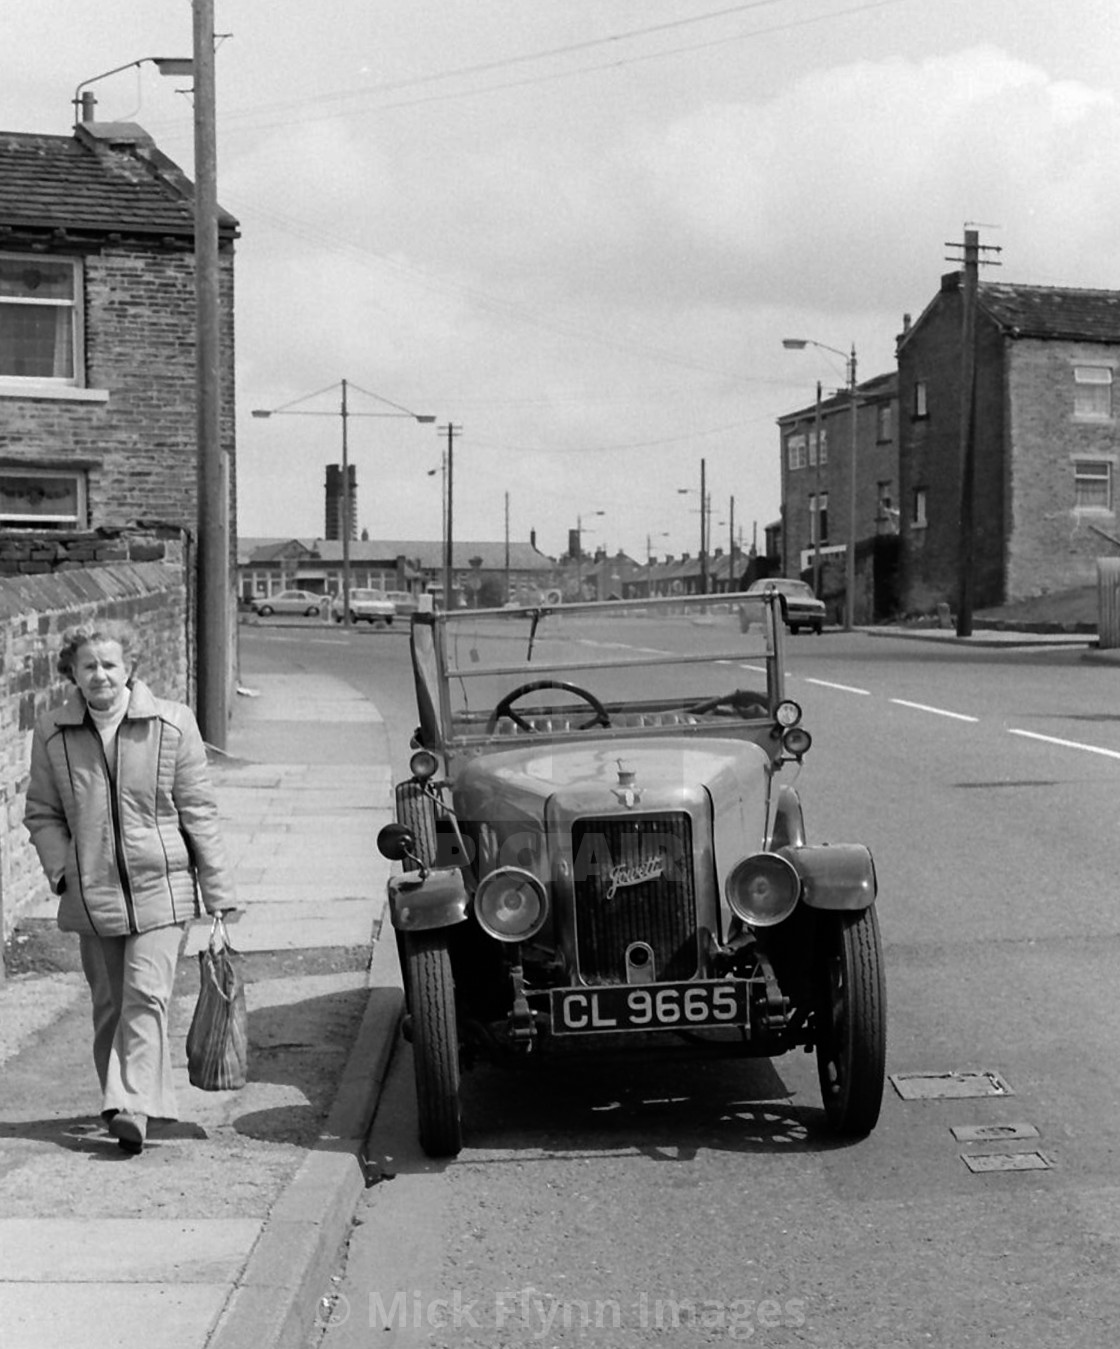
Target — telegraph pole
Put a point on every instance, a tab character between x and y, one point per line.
966	551
817	521
703	527
448	564
212	627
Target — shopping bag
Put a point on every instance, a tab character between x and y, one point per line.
218	1040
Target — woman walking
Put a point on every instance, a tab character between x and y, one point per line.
122	814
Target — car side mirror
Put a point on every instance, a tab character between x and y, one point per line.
396	842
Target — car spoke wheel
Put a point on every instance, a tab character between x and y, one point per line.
435	1042
851	1021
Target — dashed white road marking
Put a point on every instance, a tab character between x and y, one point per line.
1066	744
844	688
937	711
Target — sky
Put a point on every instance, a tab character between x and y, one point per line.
577	232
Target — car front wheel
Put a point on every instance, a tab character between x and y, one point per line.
435	1042
851	1020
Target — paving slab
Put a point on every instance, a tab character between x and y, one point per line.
221	1233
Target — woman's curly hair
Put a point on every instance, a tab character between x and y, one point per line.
111	630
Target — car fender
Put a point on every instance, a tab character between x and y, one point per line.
424	901
789	823
834	875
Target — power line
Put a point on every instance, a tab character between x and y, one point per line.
247	116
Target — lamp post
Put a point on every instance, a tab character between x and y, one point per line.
798	344
579	552
705	513
290	410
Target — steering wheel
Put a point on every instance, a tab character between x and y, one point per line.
737	703
505	707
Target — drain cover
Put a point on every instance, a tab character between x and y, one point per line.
1006	1161
991	1133
938	1086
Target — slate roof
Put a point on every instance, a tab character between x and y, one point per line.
1053	311
426	552
108	178
875	389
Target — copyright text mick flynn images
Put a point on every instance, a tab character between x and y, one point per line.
535	1314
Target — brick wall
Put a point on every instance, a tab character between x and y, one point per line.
1052	544
35	608
139	449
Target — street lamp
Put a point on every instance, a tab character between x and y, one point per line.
290	410
166	65
799	344
579	552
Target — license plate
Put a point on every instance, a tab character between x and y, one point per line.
646	1007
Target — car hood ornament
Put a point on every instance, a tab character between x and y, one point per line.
626	792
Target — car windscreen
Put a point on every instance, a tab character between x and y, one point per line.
643	662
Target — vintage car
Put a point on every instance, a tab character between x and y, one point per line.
304	602
802	608
366	606
598	851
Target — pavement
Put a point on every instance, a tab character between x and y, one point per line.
224	1232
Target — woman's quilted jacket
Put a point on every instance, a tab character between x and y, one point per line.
124	844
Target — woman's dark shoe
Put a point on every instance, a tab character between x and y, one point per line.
107	1115
129	1130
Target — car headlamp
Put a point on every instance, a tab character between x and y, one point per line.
423	765
788	712
796	741
763	889
511	904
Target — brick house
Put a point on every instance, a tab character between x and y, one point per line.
97	334
1045	436
518	569
816	495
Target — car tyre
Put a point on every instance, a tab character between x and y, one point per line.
312	611
417	813
851	1021
435	1042
264	611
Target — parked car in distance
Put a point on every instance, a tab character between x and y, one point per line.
288	602
366	606
599	851
404	602
802	609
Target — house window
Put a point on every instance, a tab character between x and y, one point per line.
883	430
1092	391
818	448
39	319
1092	484
918	517
921	399
42	499
818	518
797	453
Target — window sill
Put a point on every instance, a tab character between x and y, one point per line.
57	393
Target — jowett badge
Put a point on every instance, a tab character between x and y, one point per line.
634	873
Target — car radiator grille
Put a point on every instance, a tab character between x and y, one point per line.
634	881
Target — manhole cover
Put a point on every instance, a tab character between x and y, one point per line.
990	1133
940	1086
1006	1161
